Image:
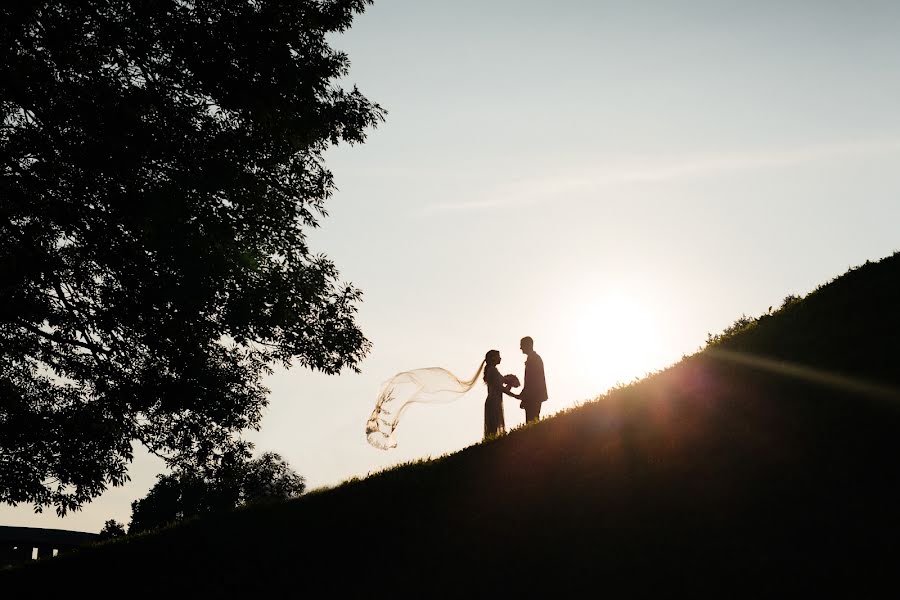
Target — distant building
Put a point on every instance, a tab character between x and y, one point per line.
19	544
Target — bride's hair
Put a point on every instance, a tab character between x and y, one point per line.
472	381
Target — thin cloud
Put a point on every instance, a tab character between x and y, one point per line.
543	189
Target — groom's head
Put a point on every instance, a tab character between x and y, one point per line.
527	345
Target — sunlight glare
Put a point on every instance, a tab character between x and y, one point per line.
616	338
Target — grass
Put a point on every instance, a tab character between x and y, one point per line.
714	477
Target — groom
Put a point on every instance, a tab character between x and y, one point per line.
534	392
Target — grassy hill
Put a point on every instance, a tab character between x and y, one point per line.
767	460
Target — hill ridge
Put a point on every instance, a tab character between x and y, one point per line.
710	476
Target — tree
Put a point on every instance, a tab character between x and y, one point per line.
231	481
112	529
160	163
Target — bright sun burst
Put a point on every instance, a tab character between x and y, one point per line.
616	338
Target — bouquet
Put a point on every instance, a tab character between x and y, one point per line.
511	381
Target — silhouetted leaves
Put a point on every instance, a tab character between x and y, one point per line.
159	163
232	480
112	529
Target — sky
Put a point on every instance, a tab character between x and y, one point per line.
614	179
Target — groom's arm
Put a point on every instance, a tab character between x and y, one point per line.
509	392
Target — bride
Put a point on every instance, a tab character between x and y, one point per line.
437	385
497	385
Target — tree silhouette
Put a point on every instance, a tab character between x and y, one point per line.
112	529
160	163
230	481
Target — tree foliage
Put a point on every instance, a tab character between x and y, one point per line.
231	481
112	529
159	165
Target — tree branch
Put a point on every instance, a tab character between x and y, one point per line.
61	340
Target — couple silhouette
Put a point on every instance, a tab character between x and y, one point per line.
533	394
436	384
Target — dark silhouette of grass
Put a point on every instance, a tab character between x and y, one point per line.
763	465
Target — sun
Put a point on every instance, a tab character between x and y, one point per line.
616	337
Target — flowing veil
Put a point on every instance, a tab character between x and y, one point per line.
428	385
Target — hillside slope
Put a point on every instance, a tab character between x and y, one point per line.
767	460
